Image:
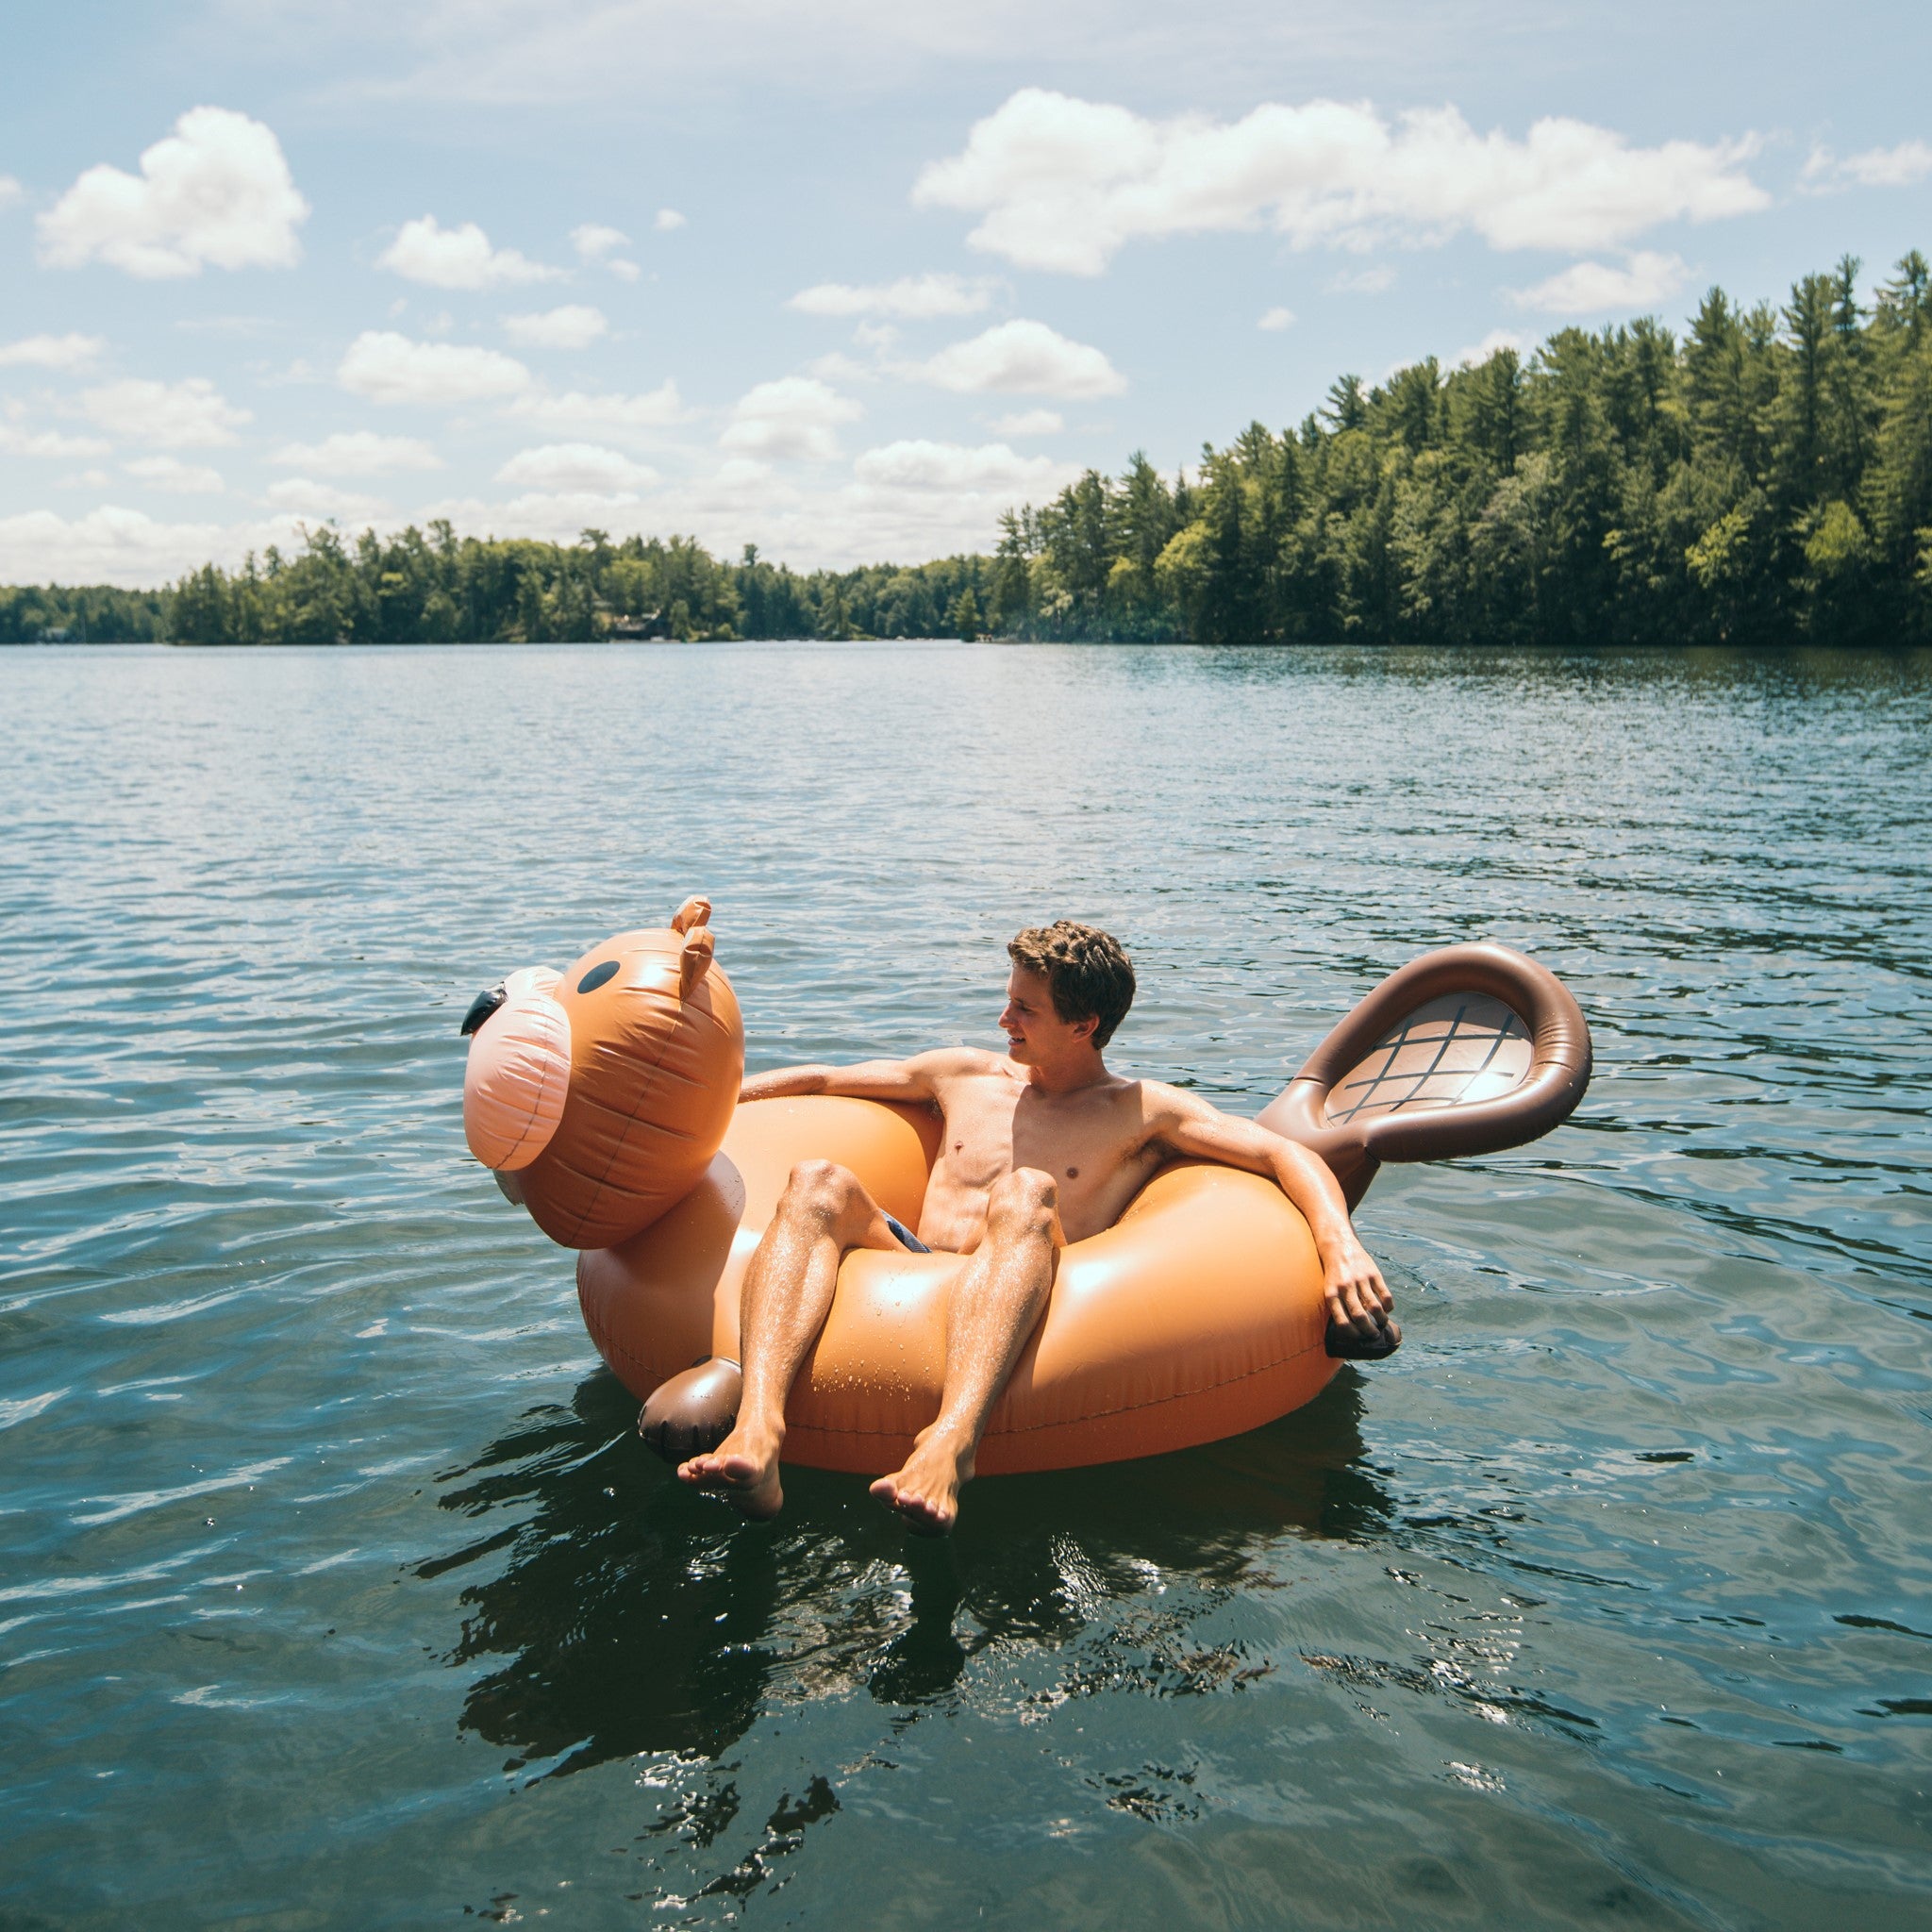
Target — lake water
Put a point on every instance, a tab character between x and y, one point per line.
336	1592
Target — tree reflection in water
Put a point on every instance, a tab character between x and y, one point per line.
638	1617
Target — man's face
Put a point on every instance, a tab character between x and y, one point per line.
1034	1031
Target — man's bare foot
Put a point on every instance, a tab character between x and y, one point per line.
1348	1345
744	1473
926	1491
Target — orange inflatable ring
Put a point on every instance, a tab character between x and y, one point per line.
1197	1315
604	1100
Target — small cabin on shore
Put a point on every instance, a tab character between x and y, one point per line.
653	623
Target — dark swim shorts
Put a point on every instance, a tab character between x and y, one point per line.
907	1238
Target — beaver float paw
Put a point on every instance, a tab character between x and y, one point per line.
691	1413
1344	1344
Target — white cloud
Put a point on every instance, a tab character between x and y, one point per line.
51	351
84	479
574	326
1360	281
15	441
1024	359
912	298
606	415
839	367
389	368
1030	422
303	496
919	464
1590	288
116	545
576	466
10	191
598	245
1276	319
795	416
559	515
171	415
171	473
913	498
1903	166
358	453
1479	353
556	515
458	257
668	219
216	191
593	241
1063	184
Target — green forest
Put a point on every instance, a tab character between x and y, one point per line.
91	614
435	587
1765	478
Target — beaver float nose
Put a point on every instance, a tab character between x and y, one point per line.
481	1008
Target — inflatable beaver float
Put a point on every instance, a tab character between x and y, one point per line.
604	1100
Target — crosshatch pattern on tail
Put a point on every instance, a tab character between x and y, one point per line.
1452	1052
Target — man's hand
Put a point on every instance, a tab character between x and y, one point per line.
1357	1297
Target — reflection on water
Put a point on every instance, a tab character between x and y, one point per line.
325	1553
638	1619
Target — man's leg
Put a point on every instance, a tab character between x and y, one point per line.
788	1292
996	1304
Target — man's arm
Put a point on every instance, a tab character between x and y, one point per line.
1357	1297
911	1079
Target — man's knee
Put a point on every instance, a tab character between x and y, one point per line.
820	1189
1024	1204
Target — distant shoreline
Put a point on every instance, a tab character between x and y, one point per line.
1765	479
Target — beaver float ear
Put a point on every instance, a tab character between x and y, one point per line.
1467	1050
696	911
694	959
518	1075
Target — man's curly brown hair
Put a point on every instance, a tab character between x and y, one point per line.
1087	971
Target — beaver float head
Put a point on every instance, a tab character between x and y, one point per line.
599	1096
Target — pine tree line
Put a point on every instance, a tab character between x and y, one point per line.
1767	478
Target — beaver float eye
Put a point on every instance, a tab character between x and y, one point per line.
606	970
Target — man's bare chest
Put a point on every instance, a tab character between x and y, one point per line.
992	1131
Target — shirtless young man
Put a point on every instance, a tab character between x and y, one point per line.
1042	1148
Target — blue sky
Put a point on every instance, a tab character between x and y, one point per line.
838	277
